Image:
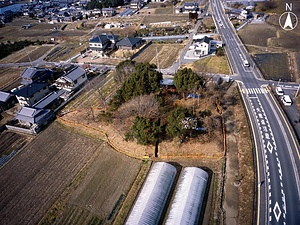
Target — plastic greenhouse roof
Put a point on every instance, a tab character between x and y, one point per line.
151	201
188	200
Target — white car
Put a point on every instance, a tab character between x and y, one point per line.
286	100
279	91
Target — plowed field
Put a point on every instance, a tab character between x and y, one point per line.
33	180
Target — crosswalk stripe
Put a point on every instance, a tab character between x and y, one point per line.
250	91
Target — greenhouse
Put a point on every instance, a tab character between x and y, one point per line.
189	197
153	196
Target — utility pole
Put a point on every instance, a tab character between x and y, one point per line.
157	60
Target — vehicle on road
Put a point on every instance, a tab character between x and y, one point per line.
286	100
246	63
279	91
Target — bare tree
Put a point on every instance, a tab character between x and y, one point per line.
144	106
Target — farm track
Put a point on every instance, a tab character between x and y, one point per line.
35	178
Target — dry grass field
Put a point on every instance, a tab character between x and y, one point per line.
163	18
212	64
167	54
39	31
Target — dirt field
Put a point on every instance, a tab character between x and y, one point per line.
10	77
10	141
167	54
274	66
34	179
257	34
101	192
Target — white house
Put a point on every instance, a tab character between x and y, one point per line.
202	47
72	80
205	45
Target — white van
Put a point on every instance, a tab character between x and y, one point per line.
286	100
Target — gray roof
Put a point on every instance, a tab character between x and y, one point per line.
108	9
31	115
99	39
30	89
75	73
129	41
103	38
34	73
48	99
4	96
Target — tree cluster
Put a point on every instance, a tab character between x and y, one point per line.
141	99
143	80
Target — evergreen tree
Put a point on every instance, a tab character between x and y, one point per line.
175	126
145	131
186	79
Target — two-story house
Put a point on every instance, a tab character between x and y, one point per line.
103	42
34	74
108	12
34	119
190	7
31	93
72	80
205	46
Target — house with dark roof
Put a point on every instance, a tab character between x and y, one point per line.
72	81
32	119
204	45
190	7
31	93
103	42
34	74
129	43
108	12
7	100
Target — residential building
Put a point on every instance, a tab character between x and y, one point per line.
108	12
7	100
72	80
190	7
129	43
137	4
103	42
34	119
204	45
31	93
34	74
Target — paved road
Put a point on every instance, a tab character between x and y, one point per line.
276	147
